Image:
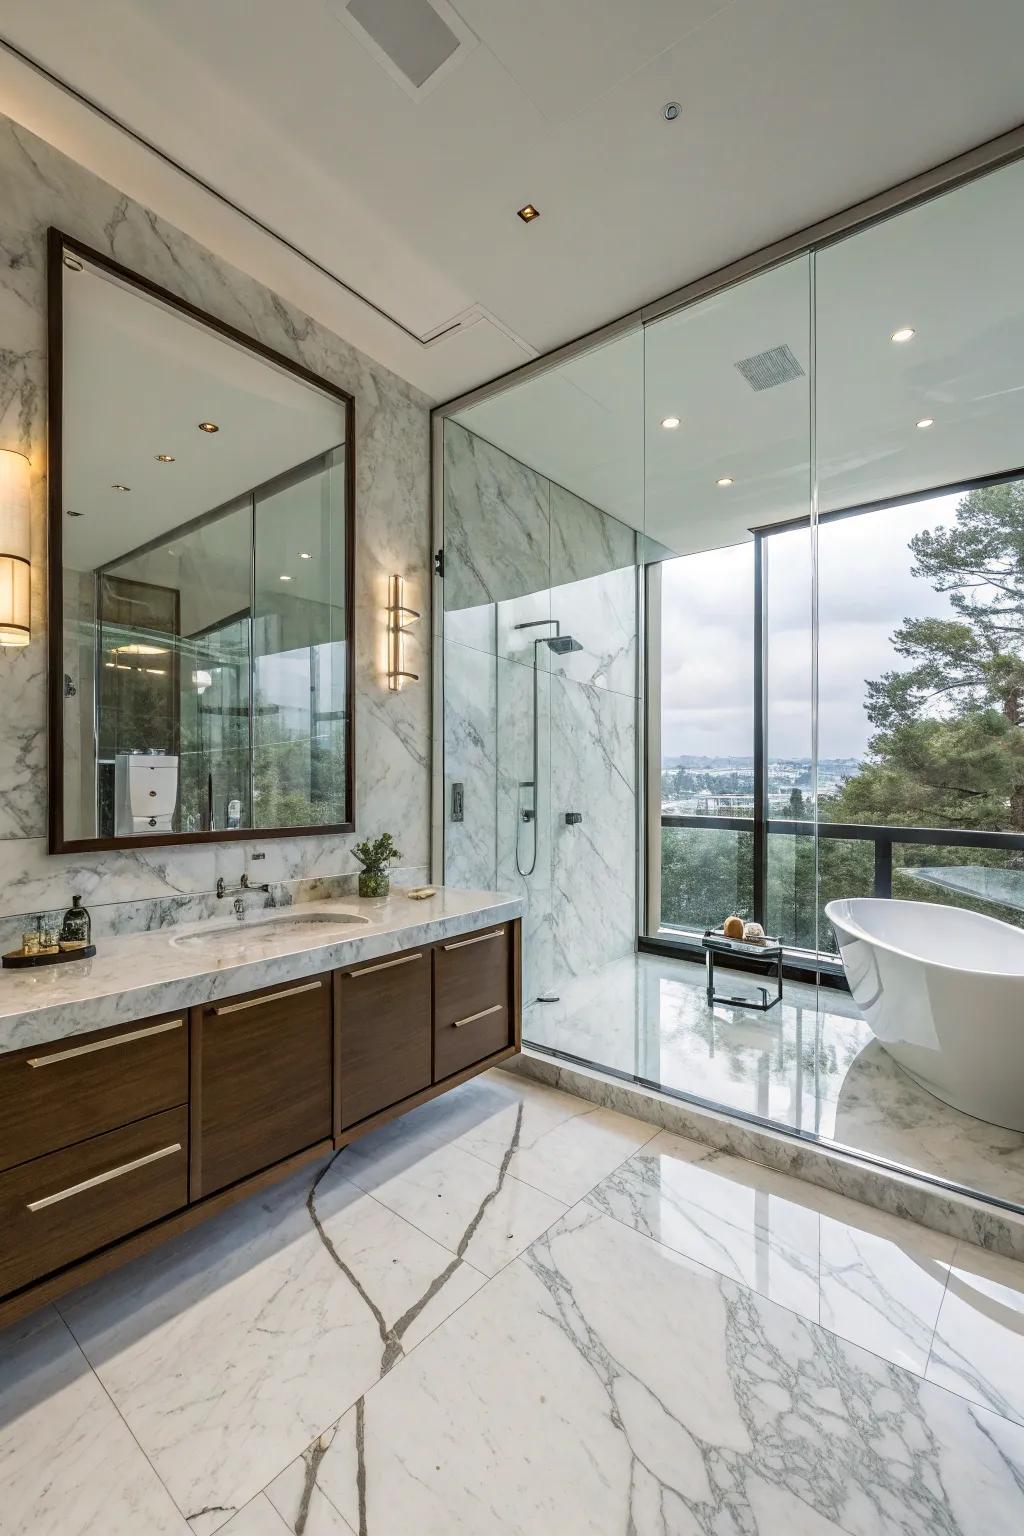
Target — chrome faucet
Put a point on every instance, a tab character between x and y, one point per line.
245	884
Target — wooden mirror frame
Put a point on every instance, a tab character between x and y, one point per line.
57	243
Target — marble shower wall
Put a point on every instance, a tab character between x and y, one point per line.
141	887
519	548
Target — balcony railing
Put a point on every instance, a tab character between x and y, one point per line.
883	838
790	901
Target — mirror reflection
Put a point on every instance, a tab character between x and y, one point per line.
204	530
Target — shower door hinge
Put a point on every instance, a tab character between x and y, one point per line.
439	563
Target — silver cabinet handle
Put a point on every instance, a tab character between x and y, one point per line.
103	1178
385	965
484	1013
481	938
269	997
104	1045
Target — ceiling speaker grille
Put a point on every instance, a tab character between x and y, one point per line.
765	370
408	32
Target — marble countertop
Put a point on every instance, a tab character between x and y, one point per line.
138	975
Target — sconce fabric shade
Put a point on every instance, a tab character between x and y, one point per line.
15	568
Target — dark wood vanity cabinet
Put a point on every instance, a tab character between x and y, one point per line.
52	1096
261	1081
384	1033
114	1140
56	1209
472	998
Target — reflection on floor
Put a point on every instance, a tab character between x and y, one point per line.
809	1064
524	1316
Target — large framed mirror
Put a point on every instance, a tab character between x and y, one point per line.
201	517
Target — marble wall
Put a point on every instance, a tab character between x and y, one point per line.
519	548
142	887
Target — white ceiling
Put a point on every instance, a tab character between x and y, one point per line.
951	269
791	109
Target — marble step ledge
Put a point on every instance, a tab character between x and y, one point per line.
969	1218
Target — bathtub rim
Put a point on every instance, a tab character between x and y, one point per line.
908	954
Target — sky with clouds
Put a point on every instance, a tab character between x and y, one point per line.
866	589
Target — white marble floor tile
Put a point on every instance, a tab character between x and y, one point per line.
811	1064
979	1341
297	1495
882	1279
679	1193
603	1384
228	1350
258	1518
478	1212
874	1279
565	1145
68	1464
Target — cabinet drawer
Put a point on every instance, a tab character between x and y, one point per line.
59	1208
261	1081
55	1095
384	1032
472	998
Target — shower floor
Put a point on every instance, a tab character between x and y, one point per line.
811	1065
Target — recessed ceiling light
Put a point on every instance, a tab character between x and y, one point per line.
670	423
529	213
926	421
137	648
208	426
117	487
304	555
725	480
165	458
671	111
284	578
903	334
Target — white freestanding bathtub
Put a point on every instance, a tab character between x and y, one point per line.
943	991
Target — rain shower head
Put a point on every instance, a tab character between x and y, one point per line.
559	643
563	644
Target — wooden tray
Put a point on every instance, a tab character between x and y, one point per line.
16	961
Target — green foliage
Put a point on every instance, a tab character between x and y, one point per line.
375	856
948	751
949	748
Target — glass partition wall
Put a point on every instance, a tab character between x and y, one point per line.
734	625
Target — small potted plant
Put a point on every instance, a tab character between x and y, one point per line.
375	856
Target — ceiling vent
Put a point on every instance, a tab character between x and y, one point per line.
767	369
418	42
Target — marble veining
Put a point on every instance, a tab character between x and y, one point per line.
522	550
42	187
144	974
318	1361
601	1384
810	1065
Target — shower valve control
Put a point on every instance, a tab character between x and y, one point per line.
458	802
573	818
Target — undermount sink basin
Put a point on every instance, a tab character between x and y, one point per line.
220	940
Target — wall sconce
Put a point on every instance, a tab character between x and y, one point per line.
400	619
15	564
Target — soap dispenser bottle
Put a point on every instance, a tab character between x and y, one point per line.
76	929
